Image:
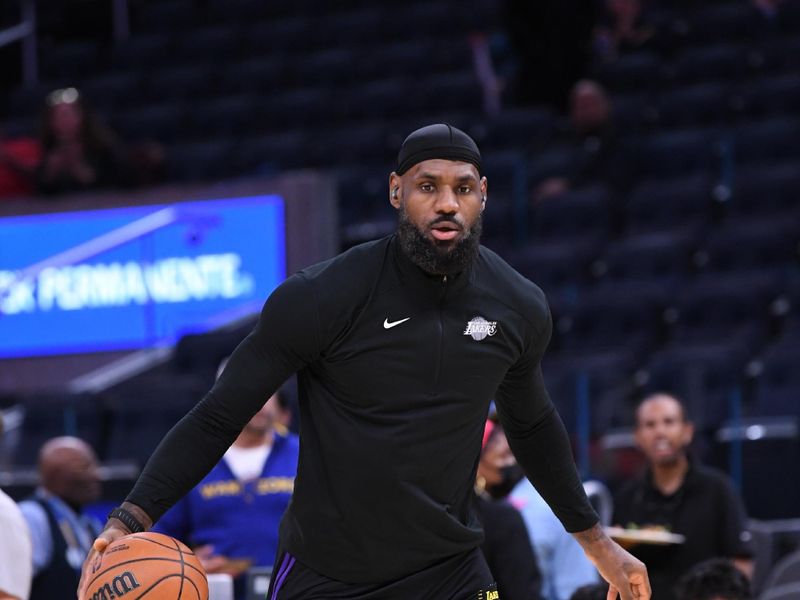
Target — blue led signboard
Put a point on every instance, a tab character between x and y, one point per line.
135	277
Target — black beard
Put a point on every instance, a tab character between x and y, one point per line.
434	258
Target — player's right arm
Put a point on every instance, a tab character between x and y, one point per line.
283	342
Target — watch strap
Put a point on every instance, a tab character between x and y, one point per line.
126	517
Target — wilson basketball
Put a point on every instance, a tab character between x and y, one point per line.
150	566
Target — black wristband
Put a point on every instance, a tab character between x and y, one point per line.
126	518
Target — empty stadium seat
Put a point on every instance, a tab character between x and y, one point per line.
674	204
768	140
766	191
606	381
581	214
778	391
650	261
770	96
703	375
559	268
676	153
135	431
734	309
697	105
53	414
751	245
608	322
709	63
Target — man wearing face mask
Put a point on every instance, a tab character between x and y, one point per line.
506	545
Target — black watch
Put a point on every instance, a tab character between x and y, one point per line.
133	524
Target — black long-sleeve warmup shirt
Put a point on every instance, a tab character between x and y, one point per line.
396	369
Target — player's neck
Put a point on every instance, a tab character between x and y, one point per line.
668	477
249	439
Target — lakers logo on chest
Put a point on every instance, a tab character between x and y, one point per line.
479	328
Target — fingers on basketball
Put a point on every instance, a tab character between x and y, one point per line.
150	566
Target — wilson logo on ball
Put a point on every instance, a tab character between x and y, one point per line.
117	587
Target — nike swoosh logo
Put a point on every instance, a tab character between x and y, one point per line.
388	325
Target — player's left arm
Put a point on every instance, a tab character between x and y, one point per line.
541	445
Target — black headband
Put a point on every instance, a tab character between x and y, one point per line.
437	141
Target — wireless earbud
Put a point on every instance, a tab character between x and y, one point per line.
394	193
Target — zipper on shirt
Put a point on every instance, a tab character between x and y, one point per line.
440	349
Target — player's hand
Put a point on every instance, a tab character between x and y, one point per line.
113	531
625	574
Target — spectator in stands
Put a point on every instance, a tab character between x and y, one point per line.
78	152
714	579
623	28
596	154
593	591
61	535
506	545
15	549
562	562
231	517
18	160
679	495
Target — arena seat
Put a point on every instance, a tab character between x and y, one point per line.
180	82
706	63
608	322
766	191
771	96
583	213
560	268
697	105
163	122
141	413
778	387
768	140
703	374
751	245
674	204
785	574
661	260
675	153
52	414
740	310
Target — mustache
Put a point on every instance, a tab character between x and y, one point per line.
446	219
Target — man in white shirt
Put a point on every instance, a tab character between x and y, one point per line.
16	565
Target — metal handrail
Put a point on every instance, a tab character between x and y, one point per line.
26	33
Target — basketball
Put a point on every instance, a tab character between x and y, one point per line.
148	565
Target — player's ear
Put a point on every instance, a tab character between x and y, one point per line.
394	190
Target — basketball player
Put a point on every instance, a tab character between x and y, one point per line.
399	345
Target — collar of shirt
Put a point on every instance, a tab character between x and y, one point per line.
83	528
412	275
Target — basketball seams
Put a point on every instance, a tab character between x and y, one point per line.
196	589
156	584
162	544
191	573
183	567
